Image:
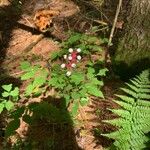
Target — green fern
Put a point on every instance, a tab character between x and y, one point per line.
134	120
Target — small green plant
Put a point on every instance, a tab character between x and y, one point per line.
78	77
37	76
73	74
134	120
77	86
9	97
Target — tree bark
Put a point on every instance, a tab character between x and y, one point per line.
133	52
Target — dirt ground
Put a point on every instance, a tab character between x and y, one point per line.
20	43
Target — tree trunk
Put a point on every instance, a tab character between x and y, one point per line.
133	52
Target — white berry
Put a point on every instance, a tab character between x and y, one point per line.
70	50
63	65
73	65
65	56
79	57
68	73
78	50
70	57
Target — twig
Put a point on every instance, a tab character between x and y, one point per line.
115	21
107	54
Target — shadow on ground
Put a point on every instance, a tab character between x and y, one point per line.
127	72
49	127
9	15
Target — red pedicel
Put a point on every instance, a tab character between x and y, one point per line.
74	55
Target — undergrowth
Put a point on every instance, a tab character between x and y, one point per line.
74	73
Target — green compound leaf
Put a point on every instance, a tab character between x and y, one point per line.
1	107
5	94
29	89
84	101
92	39
133	122
30	72
37	91
69	87
96	82
12	126
102	72
93	90
9	105
54	55
83	92
15	92
74	38
75	108
67	99
39	81
25	66
90	73
75	95
77	78
28	75
57	82
7	87
53	81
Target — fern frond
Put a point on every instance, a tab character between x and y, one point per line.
121	112
119	122
144	96
143	103
135	82
134	115
146	90
116	135
126	98
132	93
133	87
124	105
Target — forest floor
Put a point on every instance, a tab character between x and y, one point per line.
19	44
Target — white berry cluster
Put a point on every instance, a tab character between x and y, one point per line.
71	60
